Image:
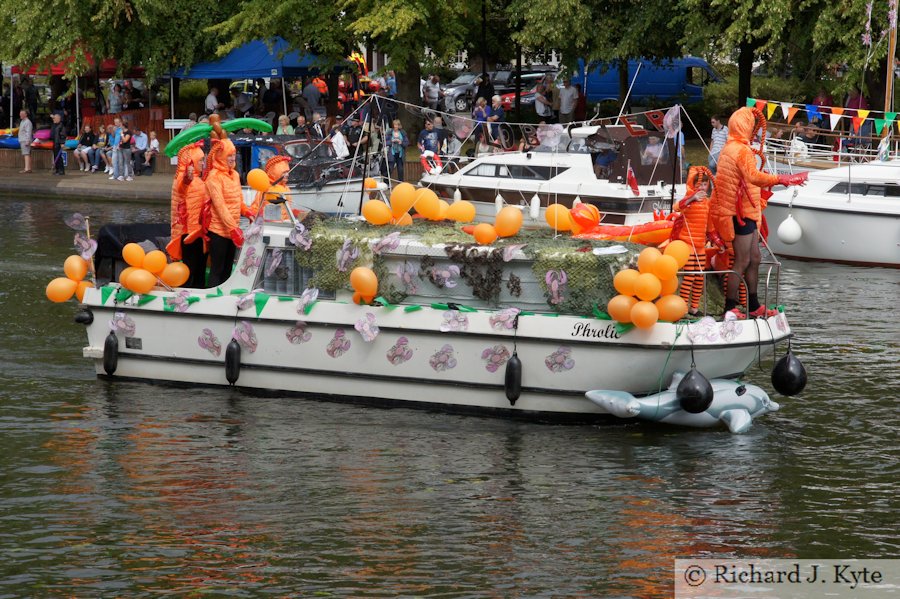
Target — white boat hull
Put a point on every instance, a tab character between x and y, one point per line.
562	357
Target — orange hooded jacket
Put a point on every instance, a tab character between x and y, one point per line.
695	214
224	187
738	180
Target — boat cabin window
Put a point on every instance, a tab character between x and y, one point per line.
281	275
483	170
867	189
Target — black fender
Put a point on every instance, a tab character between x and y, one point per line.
111	353
233	362
513	381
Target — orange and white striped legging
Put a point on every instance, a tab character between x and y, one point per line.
692	285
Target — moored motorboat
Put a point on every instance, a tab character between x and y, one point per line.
849	214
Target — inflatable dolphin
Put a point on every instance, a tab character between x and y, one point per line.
734	403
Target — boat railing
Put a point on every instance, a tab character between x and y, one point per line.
785	155
767	288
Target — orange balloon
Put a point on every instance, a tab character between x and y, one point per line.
669	286
647	287
61	289
258	179
644	315
557	216
402	198
376	212
462	211
671	307
444	207
141	281
82	287
405	220
485	233
665	268
364	281
620	307
680	251
624	281
370	183
123	276
508	221
586	215
75	267
427	204
647	259
155	262
175	274
133	254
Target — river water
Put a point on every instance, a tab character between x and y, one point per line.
126	489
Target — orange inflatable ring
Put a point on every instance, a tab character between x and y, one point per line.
430	161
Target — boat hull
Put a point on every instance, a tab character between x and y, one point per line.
837	233
411	362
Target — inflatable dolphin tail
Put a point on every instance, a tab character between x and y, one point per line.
617	403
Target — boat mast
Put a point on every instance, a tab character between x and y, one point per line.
892	51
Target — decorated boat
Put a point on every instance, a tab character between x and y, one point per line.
517	327
849	214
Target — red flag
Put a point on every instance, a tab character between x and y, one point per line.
632	181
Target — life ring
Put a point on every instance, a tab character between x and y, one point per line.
431	162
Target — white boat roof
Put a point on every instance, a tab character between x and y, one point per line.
588	130
874	171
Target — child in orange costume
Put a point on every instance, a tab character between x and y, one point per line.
690	227
736	207
277	168
224	186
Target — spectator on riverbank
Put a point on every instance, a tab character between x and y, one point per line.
85	145
97	153
568	98
58	137
140	142
717	140
397	142
116	100
26	136
152	151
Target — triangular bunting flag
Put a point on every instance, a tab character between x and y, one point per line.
792	112
879	125
835	119
890	116
751	102
812	112
857	121
863	114
105	292
761	104
837	110
785	109
770	110
260	300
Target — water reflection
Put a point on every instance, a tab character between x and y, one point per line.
133	489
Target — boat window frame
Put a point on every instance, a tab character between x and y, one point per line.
306	275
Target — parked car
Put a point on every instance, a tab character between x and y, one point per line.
679	79
459	92
508	101
505	80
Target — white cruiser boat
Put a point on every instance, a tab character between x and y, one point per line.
514	329
561	169
849	214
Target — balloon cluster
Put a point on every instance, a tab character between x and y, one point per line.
656	277
405	196
507	223
365	285
61	289
144	268
581	217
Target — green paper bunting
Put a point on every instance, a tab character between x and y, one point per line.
218	293
146	299
600	314
105	292
890	117
310	305
383	303
622	328
261	299
751	102
238	291
193	299
285	298
123	294
879	125
412	308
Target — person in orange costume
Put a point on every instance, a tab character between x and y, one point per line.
690	227
736	208
224	187
277	168
189	198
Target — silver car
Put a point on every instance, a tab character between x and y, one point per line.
459	92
